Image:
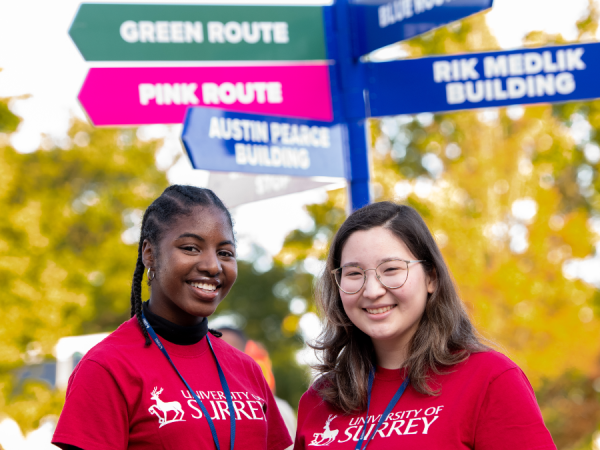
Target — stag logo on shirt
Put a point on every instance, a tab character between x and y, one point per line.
162	409
327	436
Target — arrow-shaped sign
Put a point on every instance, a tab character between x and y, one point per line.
235	142
152	95
383	22
236	189
481	80
113	32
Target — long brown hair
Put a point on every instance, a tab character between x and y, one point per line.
445	335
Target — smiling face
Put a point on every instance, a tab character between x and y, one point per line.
195	266
390	317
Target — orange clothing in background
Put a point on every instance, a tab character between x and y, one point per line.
258	353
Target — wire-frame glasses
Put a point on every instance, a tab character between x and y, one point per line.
392	274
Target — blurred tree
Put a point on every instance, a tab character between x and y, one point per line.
8	121
570	408
511	195
259	301
64	265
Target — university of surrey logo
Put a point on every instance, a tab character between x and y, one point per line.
327	436
161	409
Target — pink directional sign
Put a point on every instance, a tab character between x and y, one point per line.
141	96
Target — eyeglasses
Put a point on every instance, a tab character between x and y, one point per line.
391	274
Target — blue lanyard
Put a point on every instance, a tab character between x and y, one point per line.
387	411
221	377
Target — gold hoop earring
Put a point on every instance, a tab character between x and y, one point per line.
150	271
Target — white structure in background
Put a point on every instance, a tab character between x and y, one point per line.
596	441
311	327
11	437
66	348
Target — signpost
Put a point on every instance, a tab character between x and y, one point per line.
233	142
128	96
303	119
384	22
121	32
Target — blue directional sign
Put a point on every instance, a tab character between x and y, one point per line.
480	80
383	22
237	142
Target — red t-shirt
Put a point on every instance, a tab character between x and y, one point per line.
486	402
124	395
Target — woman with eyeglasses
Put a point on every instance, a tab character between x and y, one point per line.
402	365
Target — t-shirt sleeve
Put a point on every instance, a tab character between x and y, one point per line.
95	414
510	416
278	437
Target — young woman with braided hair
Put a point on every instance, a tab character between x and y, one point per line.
162	380
402	366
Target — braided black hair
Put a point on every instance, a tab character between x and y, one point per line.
175	201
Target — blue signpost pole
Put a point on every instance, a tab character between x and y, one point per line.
359	177
355	28
348	84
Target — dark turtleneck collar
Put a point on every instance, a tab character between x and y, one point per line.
176	334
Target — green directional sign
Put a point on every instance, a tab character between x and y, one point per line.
138	32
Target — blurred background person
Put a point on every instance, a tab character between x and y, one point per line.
236	338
